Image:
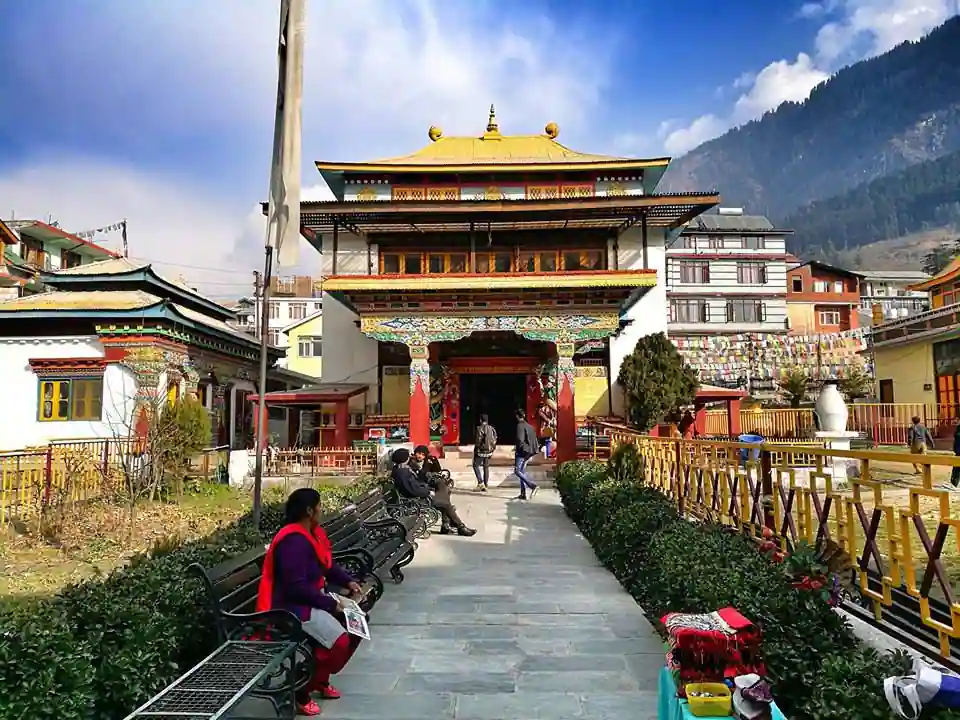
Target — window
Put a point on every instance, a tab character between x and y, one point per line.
751	273
715	242
745	311
273	338
390	264
689	311
796	284
274	310
298	311
498	262
686	242
71	399
694	272
752	242
310	346
412	264
820	286
441	263
838	286
829	317
582	260
317	306
69	259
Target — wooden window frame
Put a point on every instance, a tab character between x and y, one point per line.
760	309
538	256
300	306
704	267
745	266
73	382
701	307
822	313
447	262
600	252
489	255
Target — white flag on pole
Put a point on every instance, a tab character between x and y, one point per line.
283	215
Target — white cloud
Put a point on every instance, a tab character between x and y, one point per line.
857	29
377	75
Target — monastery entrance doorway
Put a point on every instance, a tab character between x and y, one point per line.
498	395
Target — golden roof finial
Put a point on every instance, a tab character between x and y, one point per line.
492	126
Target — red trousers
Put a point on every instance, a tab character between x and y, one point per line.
330	662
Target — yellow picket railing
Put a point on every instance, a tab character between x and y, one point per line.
893	513
884	423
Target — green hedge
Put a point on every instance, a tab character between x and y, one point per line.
818	668
101	648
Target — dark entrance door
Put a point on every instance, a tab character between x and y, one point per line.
499	396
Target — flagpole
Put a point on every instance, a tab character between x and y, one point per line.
263	415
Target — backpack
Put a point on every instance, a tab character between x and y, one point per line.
486	439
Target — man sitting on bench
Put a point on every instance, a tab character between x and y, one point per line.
413	483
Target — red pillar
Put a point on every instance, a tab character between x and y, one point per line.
733	417
419	395
700	419
341	424
566	415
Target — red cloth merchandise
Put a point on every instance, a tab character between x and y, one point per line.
713	646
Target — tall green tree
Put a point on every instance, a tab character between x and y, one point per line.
656	381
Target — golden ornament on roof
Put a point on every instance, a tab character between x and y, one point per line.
435	133
551	130
492	125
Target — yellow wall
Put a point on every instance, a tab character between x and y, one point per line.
306	365
591	391
801	317
395	390
910	367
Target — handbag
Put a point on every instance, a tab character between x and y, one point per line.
908	694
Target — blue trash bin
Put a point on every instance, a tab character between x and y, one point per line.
748	453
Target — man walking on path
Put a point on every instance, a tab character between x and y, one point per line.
527	447
919	439
484	444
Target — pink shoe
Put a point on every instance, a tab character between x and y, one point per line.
329	692
311	708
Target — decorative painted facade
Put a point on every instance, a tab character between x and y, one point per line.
492	273
96	355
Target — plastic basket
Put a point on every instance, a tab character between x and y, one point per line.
717	706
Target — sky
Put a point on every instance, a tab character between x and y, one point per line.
162	112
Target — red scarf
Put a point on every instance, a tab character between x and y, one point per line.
321	545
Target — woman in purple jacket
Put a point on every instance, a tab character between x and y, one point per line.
296	570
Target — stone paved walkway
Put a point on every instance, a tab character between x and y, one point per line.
518	622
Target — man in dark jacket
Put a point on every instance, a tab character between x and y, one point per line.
423	472
527	446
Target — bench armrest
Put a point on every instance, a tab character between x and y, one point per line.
280	624
386	528
356	561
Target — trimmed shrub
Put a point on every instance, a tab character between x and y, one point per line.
101	648
819	669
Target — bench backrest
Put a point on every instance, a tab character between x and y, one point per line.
233	584
345	530
372	506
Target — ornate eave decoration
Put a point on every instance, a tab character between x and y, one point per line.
73	367
424	329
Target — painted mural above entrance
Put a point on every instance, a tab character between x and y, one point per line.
423	329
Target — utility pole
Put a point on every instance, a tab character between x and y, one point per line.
123	234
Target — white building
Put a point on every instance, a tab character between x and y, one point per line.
888	291
727	274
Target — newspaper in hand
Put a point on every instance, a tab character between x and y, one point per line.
356	623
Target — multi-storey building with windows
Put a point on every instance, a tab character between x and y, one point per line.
292	300
726	274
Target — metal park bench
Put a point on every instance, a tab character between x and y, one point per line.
371	547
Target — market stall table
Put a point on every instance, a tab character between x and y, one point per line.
673	708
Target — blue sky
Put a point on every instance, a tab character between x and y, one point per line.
161	112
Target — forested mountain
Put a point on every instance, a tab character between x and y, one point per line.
922	197
872	119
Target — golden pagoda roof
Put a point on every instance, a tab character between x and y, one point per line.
950	272
494	151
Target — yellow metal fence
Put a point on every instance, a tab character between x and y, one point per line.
883	423
72	471
897	521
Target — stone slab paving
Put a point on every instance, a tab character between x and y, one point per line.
520	622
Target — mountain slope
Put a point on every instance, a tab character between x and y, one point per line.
869	120
923	197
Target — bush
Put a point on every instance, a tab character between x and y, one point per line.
818	668
99	649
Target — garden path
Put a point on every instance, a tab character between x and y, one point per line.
520	621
